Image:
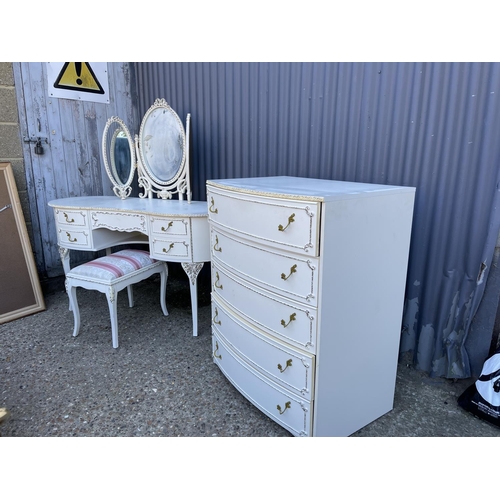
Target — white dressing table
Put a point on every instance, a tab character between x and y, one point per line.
176	231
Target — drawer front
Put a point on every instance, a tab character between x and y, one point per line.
285	408
165	226
74	238
117	221
287	320
289	274
170	249
287	367
71	218
287	224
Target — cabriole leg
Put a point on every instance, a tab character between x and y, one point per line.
73	302
113	314
192	270
163	289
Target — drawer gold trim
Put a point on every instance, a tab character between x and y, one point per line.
217	279
69	238
164	250
215	320
67	218
217	248
293	269
218	356
211	208
292	318
290	220
288	405
287	365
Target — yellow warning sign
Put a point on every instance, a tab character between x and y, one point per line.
78	76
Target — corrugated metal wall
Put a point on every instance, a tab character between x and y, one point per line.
434	126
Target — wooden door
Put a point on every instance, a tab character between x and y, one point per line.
71	164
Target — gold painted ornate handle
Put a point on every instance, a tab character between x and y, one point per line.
217	248
288	405
67	218
211	208
216	349
169	248
217	284
69	238
292	318
168	227
293	269
290	220
288	363
214	319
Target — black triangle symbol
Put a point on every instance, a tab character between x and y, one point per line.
59	85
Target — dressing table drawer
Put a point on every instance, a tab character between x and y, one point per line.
170	249
74	238
167	226
118	221
71	218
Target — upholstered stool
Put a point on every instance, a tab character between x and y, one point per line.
113	273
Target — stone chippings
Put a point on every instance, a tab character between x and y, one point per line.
161	381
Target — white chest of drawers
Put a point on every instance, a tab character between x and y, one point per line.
308	280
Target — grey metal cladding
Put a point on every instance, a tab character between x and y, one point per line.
434	126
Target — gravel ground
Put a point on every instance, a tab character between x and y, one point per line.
162	381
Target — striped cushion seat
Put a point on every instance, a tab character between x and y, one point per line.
114	266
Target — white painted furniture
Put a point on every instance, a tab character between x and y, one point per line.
308	287
113	273
176	231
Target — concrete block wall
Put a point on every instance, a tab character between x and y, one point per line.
11	149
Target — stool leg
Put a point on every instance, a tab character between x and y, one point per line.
113	313
74	307
130	293
163	289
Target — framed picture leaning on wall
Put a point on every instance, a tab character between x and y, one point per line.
20	291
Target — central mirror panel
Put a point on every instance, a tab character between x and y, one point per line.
163	144
162	153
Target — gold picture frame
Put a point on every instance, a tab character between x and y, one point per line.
20	291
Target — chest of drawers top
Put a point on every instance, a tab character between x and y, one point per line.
305	189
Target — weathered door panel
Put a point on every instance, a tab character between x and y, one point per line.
71	163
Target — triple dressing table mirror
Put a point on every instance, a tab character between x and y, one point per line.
176	230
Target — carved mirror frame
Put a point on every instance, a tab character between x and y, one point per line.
171	146
120	188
